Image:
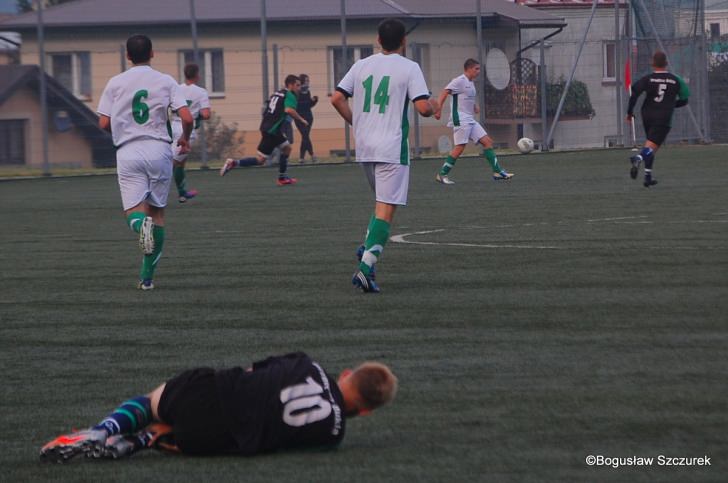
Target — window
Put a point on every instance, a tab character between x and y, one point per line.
212	69
420	53
715	31
337	65
609	71
12	142
73	71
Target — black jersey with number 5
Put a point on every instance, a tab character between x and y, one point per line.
284	402
662	91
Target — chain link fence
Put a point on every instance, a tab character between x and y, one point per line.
524	76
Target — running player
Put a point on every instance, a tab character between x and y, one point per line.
134	108
382	86
281	402
664	92
464	126
281	104
199	104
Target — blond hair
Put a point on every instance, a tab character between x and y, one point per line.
375	384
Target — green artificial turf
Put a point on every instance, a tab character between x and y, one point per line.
566	313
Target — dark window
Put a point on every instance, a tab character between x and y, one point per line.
340	66
714	31
73	71
12	142
212	69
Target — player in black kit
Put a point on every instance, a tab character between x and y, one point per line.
279	403
664	92
281	104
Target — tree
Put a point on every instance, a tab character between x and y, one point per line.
29	5
223	140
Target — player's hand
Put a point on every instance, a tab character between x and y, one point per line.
184	145
629	118
314	98
435	107
304	122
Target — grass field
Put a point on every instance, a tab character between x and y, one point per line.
570	312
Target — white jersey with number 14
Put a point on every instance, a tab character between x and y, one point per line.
382	87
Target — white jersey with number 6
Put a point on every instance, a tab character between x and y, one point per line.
382	86
137	101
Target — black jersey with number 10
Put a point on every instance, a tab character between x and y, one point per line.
284	402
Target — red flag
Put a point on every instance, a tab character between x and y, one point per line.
628	77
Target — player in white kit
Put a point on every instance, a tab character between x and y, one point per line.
464	126
199	104
134	108
382	87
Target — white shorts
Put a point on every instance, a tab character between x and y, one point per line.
467	132
144	169
176	134
389	181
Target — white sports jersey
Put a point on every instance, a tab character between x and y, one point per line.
462	107
137	101
382	87
197	99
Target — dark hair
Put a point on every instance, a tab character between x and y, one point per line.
302	77
139	49
291	79
469	63
391	34
191	71
659	60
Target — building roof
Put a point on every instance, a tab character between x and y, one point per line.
14	77
94	13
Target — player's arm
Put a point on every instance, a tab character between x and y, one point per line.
105	123
441	102
295	115
187	124
426	106
683	93
341	104
637	89
205	114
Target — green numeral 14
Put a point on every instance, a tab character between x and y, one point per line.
381	96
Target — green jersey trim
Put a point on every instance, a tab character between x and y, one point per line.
404	150
455	113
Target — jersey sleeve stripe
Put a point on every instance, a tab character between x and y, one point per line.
419	98
344	91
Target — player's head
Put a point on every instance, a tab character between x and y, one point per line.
304	78
369	386
471	68
391	34
139	49
192	72
659	60
293	83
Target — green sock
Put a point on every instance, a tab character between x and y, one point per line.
449	164
369	228
134	220
492	160
374	245
180	180
149	263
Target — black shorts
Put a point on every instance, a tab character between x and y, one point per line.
656	129
270	141
191	405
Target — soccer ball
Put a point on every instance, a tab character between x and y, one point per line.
525	145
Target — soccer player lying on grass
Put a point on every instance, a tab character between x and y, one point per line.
281	402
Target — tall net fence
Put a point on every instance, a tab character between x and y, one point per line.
678	28
525	73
